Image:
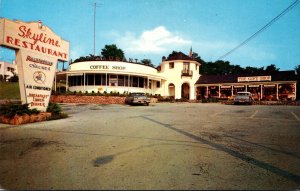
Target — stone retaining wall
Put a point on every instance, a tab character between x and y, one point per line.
90	99
22	119
87	99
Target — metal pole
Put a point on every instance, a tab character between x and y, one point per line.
95	5
277	92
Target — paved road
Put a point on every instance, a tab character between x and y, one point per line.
163	146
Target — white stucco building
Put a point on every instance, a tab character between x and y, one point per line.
181	73
175	77
178	77
8	70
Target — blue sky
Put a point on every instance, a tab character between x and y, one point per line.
154	28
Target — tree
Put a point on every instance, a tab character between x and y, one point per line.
297	69
272	68
147	62
112	51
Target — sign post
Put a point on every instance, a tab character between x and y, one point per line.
38	49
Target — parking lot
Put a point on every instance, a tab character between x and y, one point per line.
161	146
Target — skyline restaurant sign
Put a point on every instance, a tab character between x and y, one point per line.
38	49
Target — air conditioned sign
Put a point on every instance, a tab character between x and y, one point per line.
38	49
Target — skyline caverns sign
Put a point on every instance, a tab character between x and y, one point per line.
38	49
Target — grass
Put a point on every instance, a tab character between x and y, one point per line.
9	90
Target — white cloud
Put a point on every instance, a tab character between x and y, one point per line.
76	52
156	40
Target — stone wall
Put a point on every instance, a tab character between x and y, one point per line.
22	119
91	99
87	99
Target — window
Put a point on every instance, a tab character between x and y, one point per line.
196	66
121	80
158	84
97	79
141	82
186	66
171	65
113	80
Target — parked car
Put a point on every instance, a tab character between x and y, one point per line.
243	97
137	98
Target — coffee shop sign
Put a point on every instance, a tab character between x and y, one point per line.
106	67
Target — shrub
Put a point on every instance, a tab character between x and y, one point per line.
11	110
54	108
56	111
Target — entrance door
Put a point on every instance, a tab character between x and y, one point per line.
185	91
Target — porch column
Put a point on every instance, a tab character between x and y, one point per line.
106	81
128	82
246	87
67	82
231	90
295	90
84	81
148	84
206	91
55	82
219	91
261	91
277	92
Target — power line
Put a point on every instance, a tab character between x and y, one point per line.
262	29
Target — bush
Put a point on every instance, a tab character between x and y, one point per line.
56	111
54	108
182	100
11	110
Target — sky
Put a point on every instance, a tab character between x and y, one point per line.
150	29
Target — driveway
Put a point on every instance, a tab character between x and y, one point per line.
162	146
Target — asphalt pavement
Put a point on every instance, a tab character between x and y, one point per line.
178	146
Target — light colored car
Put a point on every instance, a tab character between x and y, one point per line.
137	98
243	97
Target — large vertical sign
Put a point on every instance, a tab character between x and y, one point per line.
38	49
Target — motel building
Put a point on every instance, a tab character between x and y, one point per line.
177	77
8	70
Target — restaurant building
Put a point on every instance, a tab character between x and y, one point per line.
281	85
177	77
174	77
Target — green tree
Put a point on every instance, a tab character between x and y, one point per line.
112	51
147	62
272	68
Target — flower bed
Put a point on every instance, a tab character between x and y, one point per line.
22	119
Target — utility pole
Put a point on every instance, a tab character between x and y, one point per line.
95	7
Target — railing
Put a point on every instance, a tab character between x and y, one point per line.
186	73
